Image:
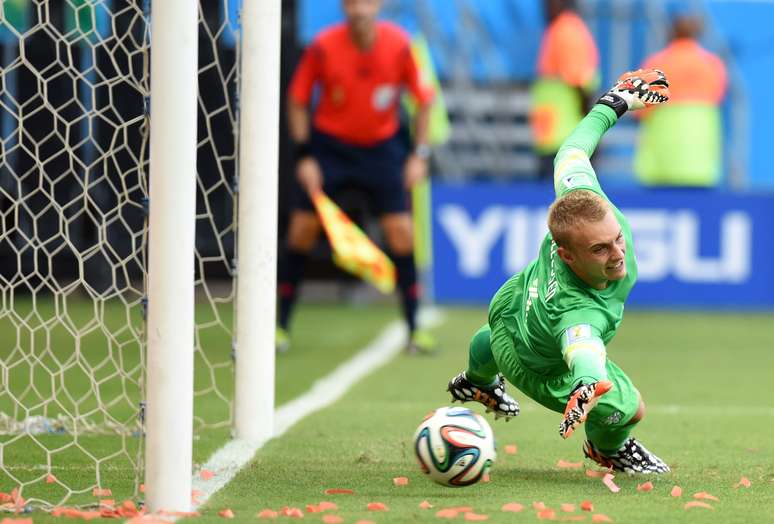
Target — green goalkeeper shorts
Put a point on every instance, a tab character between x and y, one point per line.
615	408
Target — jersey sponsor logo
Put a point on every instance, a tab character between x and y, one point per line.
578	332
384	97
337	95
614	418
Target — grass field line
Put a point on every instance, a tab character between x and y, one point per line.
228	460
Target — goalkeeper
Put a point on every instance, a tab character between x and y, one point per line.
549	324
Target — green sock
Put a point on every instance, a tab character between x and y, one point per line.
607	439
482	368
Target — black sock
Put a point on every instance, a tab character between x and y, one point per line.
290	274
408	287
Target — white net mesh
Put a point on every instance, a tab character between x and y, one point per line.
73	201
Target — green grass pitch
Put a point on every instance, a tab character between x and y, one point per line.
705	377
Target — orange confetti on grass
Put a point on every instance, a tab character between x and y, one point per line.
425	505
596	474
332	519
645	486
563	464
226	513
462	509
607	480
697	504
321	507
142	488
146	519
586	505
677	491
206	474
538	506
16	521
365	522
267	514
74	513
744	482
400	481
512	507
50	479
108	503
546	514
128	509
703	495
475	517
295	513
377	506
339	491
600	517
101	492
511	449
567	508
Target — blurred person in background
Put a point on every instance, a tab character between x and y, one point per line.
567	71
549	325
351	138
681	143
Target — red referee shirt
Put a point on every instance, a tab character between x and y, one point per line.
360	89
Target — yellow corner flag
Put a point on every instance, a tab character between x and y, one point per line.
353	251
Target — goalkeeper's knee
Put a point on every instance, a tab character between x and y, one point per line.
638	415
610	423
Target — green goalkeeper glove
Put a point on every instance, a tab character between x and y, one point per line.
637	90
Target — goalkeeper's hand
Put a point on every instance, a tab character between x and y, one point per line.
582	401
637	90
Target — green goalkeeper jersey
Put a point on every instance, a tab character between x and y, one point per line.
551	308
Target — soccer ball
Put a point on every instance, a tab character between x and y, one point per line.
455	446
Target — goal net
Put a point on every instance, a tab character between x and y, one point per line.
74	111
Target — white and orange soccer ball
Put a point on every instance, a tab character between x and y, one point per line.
455	446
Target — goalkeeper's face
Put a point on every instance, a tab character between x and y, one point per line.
597	251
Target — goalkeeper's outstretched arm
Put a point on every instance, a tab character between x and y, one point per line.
633	90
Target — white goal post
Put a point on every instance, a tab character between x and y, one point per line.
171	240
170	281
257	233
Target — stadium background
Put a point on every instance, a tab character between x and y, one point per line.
697	248
484	52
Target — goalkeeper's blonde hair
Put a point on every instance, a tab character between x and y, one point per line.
573	209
